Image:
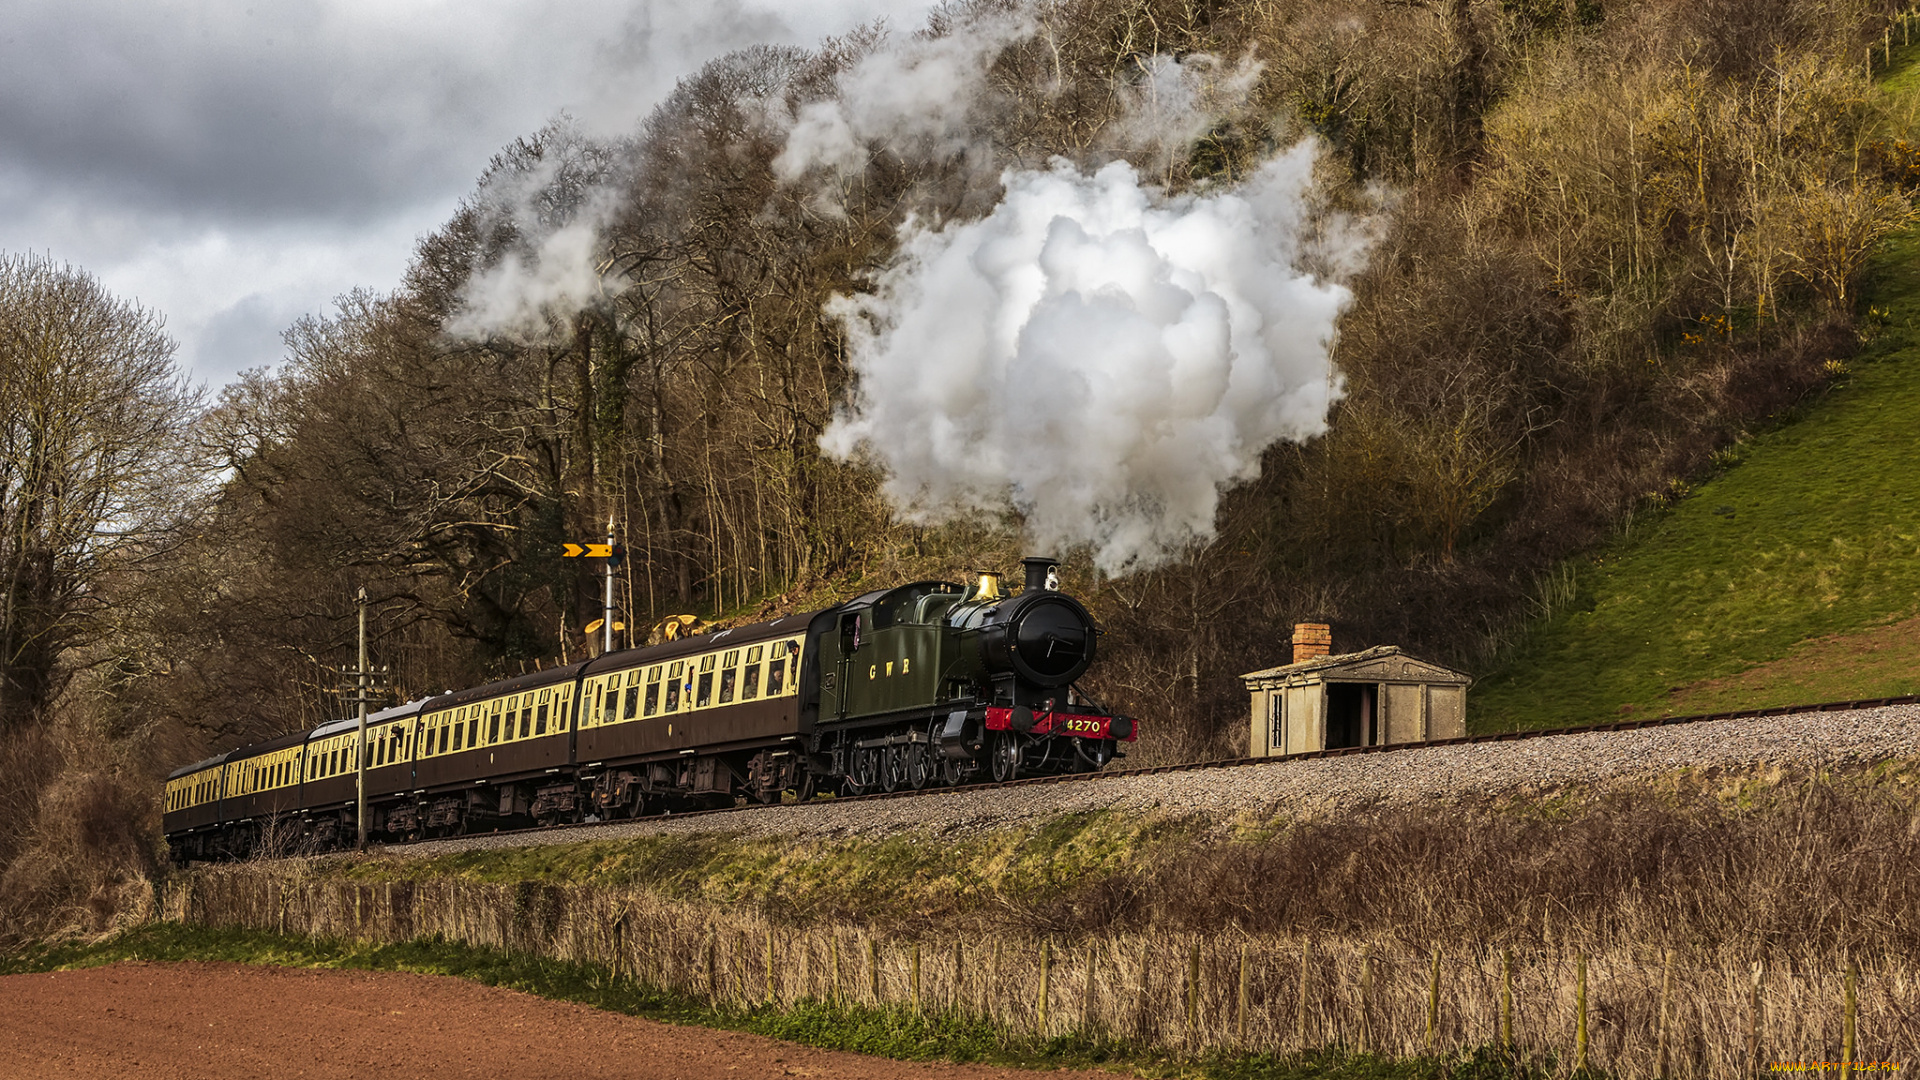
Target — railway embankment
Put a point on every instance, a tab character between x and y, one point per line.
1257	795
1671	900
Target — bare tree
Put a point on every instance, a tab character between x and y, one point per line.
93	462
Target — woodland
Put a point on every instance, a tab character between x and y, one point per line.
1607	238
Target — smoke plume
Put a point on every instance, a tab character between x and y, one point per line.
916	96
1104	358
545	205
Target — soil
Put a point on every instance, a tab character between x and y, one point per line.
134	1021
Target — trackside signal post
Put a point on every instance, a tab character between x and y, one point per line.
606	607
613	553
360	739
361	691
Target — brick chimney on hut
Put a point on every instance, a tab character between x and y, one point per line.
1311	640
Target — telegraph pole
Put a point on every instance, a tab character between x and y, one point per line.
360	747
606	614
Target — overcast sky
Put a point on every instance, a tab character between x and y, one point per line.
235	165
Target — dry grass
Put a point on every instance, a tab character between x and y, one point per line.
1749	864
1188	993
1675	899
79	835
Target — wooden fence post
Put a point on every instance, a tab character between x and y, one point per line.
916	978
1193	989
1580	1014
1141	991
713	966
1366	999
1851	1014
1753	1021
1087	1012
772	995
954	995
1300	1018
1506	1001
1046	974
990	991
1433	1000
1240	1011
1660	1038
838	997
740	966
873	970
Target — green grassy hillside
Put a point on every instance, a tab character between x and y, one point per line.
1792	576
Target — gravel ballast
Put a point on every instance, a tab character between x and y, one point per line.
1418	775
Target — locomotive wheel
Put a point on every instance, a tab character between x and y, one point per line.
920	768
893	769
1005	757
803	791
953	772
863	775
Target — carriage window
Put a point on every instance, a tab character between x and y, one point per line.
633	703
750	675
704	694
612	703
653	698
540	721
776	673
729	675
675	675
446	733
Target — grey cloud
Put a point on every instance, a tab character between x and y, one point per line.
214	136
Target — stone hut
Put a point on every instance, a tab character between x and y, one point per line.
1324	701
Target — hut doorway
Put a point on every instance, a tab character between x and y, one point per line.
1350	714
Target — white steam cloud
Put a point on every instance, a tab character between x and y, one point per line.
916	95
1175	101
1103	358
557	211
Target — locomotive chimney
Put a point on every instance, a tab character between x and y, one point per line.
1040	572
1311	640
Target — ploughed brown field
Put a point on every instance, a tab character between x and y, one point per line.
217	1021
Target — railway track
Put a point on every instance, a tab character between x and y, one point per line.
585	831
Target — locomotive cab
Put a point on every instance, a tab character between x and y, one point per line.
887	652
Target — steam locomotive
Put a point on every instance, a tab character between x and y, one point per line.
932	683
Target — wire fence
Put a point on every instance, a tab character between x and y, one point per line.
1629	1013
